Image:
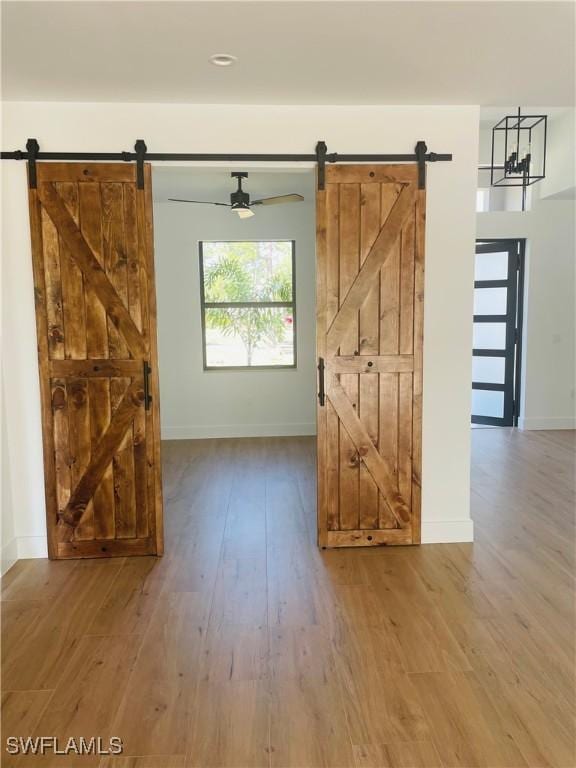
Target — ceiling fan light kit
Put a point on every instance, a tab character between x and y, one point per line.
240	200
244	213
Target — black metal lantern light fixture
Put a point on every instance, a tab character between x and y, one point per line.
519	151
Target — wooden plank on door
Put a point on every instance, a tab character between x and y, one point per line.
97	349
370	294
96	323
369	336
332	299
389	345
321	320
348	343
146	261
417	380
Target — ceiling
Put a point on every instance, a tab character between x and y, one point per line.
489	116
216	184
349	52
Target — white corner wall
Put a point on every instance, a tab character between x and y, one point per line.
197	403
295	129
560	181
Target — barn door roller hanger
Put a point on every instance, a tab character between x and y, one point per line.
321	156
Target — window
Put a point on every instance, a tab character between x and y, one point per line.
248	304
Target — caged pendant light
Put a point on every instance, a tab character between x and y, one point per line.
518	151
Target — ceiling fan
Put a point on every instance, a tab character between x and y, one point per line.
240	200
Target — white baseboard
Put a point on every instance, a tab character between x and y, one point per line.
447	531
9	555
566	423
237	430
23	548
32	546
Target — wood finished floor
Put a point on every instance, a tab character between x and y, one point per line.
245	646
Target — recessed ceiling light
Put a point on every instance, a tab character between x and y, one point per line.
222	59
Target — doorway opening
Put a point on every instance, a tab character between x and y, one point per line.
246	355
236	303
236	340
497	332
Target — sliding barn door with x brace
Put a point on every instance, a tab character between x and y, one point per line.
92	251
370	280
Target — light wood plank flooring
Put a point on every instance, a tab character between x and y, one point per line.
245	646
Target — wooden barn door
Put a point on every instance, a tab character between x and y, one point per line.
96	322
370	245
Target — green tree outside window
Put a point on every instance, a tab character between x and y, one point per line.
255	273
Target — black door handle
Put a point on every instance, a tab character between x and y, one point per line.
321	392
147	370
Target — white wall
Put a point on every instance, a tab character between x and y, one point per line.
172	127
9	553
548	375
197	403
560	178
23	485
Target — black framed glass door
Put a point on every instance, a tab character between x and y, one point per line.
496	353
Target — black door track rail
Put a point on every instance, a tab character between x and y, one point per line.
140	155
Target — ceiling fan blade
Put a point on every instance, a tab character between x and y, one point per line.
198	202
294	198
